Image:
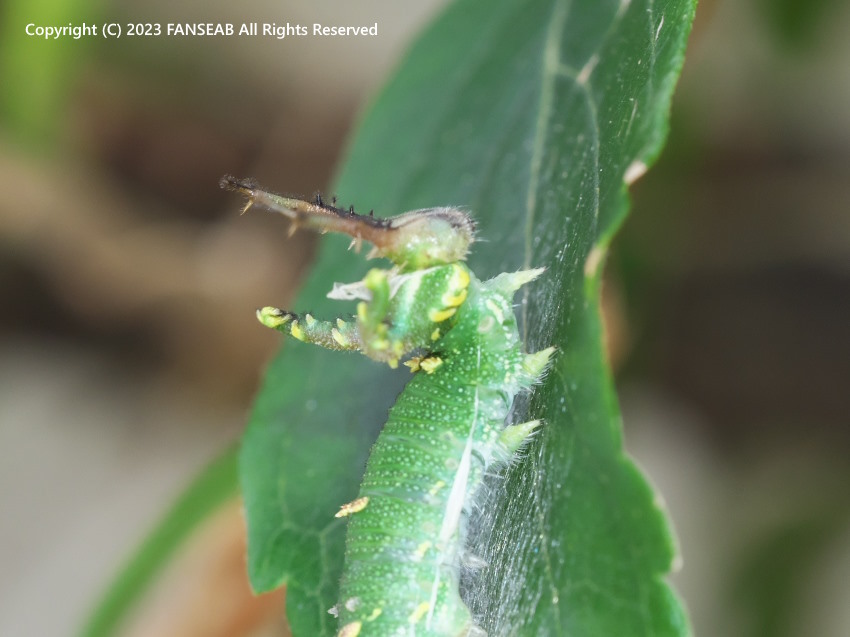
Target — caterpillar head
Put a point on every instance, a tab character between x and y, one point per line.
423	238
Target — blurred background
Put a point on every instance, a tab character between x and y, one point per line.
129	353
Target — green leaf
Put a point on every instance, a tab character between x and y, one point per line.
534	115
212	488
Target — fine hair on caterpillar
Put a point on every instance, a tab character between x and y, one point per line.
406	546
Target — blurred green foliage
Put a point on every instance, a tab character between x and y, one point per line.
37	73
797	23
215	486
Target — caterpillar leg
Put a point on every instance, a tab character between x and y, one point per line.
372	314
367	333
535	364
373	321
341	335
509	282
513	437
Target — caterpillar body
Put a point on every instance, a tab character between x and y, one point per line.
406	532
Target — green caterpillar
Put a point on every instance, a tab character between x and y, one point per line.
407	532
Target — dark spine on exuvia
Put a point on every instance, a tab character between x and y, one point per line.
250	187
370	219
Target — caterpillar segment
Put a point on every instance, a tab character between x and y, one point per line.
340	335
445	431
393	321
406	530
